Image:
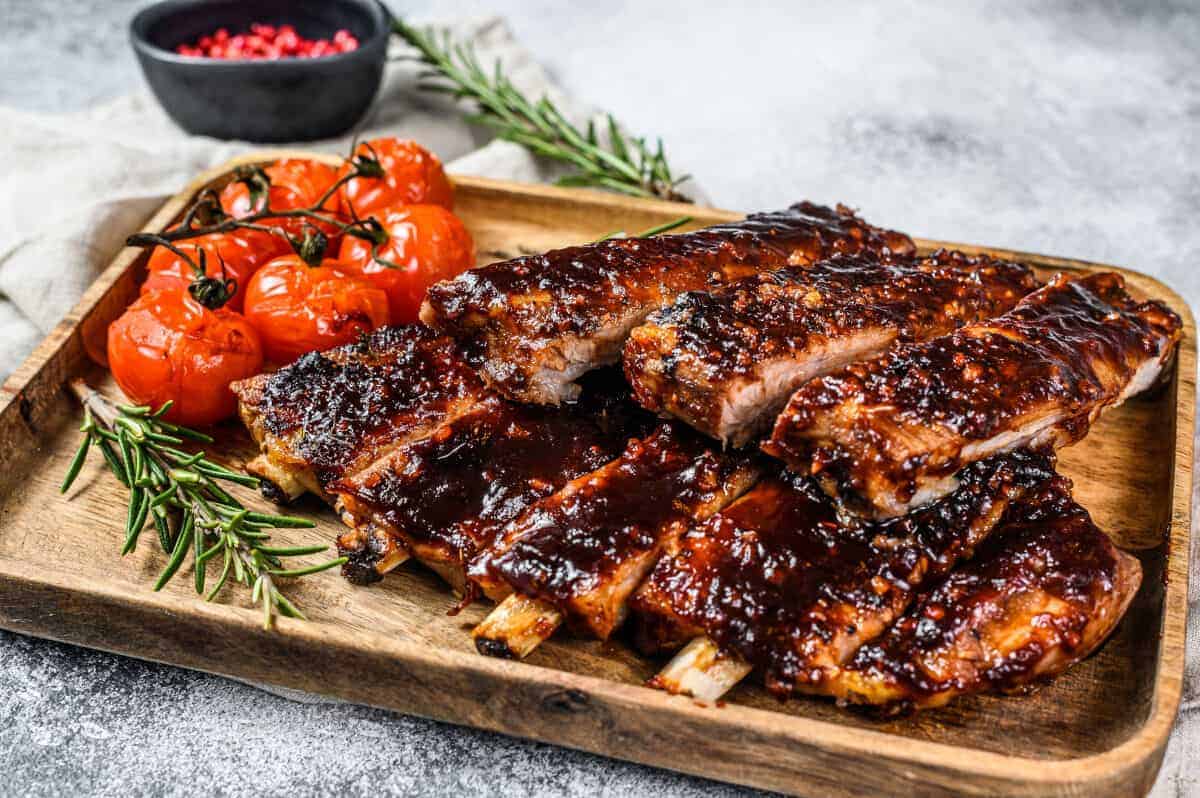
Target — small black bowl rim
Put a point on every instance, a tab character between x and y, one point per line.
140	20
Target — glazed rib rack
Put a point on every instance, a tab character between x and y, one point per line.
784	582
726	361
889	434
591	511
539	322
432	464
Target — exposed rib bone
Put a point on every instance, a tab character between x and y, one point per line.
516	627
281	484
701	671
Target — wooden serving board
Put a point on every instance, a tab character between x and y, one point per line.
1098	730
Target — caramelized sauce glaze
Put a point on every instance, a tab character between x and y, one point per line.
783	581
771	314
534	323
453	491
586	282
573	543
726	361
1071	347
957	637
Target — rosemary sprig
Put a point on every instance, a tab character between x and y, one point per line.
625	164
180	494
650	232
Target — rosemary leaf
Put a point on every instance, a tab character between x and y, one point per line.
266	605
311	569
286	607
664	227
114	462
213	550
136	500
181	548
292	551
222	579
76	464
162	524
198	568
280	521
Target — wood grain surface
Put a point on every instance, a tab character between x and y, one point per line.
1098	730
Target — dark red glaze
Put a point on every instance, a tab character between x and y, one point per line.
342	408
1040	595
449	494
880	427
516	312
781	580
692	356
575	548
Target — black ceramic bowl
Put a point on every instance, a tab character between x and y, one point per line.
292	99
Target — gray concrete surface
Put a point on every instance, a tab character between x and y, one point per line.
1069	128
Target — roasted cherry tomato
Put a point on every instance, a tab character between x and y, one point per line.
424	244
241	251
168	346
411	175
298	308
294	183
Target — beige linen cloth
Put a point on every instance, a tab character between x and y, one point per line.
72	186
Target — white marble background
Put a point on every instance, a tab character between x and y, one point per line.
1067	128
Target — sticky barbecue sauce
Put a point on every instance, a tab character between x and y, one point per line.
782	580
577	542
1071	347
1048	552
453	491
577	290
771	314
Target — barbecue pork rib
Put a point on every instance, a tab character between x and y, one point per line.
726	361
578	554
537	323
446	496
334	412
784	584
1043	593
887	435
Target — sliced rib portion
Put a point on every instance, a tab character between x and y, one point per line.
331	413
778	581
889	434
726	361
445	497
539	322
583	551
1040	596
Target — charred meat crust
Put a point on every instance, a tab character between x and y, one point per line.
781	580
338	410
1041	595
538	322
888	433
726	361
